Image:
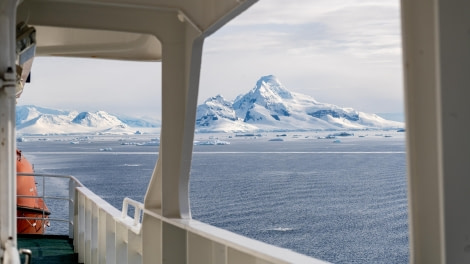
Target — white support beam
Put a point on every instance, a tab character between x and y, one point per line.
7	121
436	38
454	51
168	191
180	67
422	123
182	51
172	169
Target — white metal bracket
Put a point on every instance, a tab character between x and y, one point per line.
8	79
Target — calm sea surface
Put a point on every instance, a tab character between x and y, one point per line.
344	202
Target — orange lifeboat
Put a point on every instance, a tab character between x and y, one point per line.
32	206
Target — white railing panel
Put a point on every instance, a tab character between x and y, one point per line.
219	253
151	240
134	247
102	235
243	248
88	229
121	243
72	185
204	251
94	232
173	240
76	229
234	257
98	229
174	243
81	228
110	239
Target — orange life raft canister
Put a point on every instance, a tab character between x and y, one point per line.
28	204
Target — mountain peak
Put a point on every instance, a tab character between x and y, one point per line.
218	98
268	93
271	84
97	119
271	106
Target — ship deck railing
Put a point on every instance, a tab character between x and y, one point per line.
103	234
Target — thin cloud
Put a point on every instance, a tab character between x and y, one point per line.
343	51
340	52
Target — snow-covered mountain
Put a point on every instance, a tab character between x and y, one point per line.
36	120
270	106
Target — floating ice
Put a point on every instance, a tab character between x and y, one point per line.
150	143
106	149
281	229
212	142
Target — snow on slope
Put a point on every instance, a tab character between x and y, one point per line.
218	109
99	119
270	106
268	93
41	121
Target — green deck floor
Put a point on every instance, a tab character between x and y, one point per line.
49	249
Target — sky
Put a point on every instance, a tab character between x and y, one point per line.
342	52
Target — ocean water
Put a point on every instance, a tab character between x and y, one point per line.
344	202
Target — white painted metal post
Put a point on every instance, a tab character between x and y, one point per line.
80	235
177	118
181	61
168	192
72	207
436	38
7	121
454	56
421	82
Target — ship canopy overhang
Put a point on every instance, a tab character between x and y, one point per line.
118	29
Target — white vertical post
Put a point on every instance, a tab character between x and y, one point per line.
72	207
102	235
88	229
134	247
182	50
422	121
94	232
168	191
7	121
436	37
80	236
110	249
454	94
121	243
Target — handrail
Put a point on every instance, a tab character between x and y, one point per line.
49	175
102	233
70	197
198	232
138	209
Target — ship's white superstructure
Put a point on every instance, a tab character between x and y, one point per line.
436	64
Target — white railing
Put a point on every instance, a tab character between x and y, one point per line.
107	235
67	195
103	234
